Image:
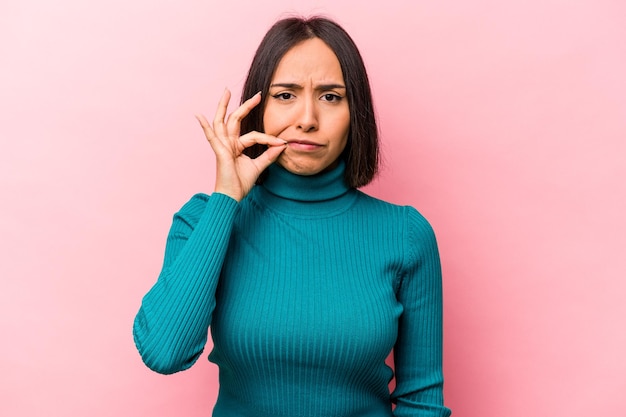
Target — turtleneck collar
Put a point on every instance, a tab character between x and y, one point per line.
322	194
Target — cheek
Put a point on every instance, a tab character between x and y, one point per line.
273	121
342	123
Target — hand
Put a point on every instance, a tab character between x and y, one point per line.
236	172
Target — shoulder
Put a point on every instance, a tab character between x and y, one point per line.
417	233
408	215
376	205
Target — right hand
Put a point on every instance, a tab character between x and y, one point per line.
236	172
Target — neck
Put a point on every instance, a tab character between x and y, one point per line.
315	195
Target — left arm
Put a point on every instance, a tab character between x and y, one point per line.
419	347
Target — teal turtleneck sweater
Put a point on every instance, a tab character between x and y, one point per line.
306	285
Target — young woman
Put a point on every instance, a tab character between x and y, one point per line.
306	283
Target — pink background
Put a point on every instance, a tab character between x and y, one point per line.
503	122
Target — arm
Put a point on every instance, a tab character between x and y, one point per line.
418	350
170	329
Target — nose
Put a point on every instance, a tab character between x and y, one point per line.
307	117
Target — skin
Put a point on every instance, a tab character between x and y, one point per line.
307	107
306	120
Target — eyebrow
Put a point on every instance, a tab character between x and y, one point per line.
295	86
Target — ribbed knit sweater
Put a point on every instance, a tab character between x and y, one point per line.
306	285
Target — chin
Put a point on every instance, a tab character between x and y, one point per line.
301	168
301	171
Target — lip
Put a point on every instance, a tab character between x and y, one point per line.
303	144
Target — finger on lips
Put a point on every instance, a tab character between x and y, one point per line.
253	137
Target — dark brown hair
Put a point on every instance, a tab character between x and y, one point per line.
361	154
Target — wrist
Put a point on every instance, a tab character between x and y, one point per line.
234	194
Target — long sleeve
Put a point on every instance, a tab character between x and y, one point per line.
418	350
170	329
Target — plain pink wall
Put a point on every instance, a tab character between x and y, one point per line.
503	122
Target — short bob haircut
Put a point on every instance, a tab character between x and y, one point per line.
361	154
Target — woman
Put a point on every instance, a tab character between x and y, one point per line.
306	283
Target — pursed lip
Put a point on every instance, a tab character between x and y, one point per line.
303	142
303	145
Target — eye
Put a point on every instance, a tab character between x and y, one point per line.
283	96
331	97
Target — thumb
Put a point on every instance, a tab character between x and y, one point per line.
270	155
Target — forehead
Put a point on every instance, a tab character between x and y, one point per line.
310	59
